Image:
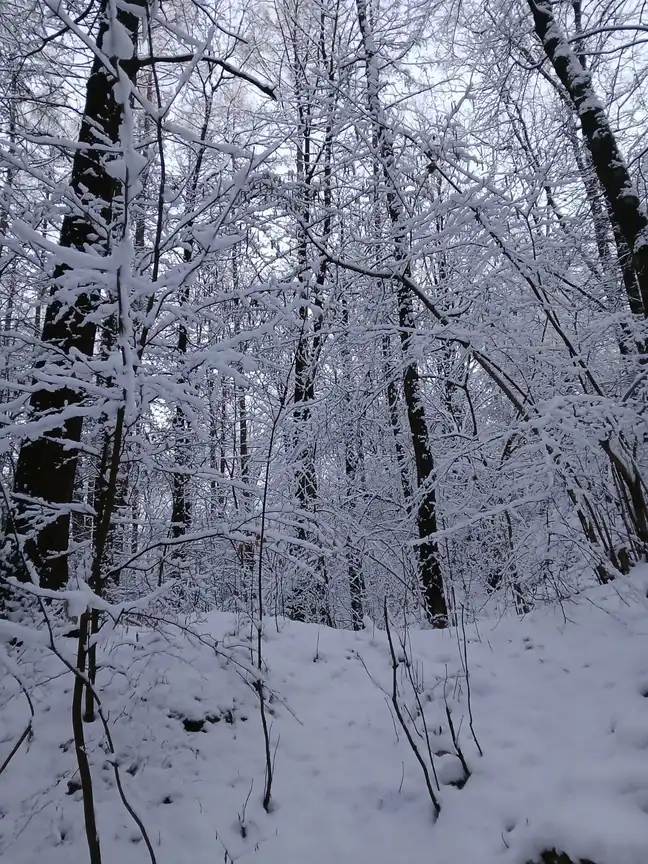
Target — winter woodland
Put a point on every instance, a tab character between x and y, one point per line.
322	320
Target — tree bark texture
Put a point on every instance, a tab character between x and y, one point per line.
46	466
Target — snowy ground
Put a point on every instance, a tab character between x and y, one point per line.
560	705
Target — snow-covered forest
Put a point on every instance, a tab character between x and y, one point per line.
323	439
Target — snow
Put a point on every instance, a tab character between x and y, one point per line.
559	707
117	41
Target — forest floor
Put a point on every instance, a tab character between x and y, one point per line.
560	710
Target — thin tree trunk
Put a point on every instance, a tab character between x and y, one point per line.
247	547
181	504
105	501
394	421
352	453
309	599
429	560
85	775
4	206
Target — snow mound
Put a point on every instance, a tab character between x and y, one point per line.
559	708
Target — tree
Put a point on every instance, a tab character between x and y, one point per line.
47	462
626	209
426	517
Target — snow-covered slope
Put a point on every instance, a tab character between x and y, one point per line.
560	709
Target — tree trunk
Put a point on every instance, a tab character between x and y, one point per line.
46	467
310	596
352	455
613	175
181	504
395	424
429	564
426	521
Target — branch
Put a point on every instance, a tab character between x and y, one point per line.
401	719
499	377
223	64
29	728
596	31
46	39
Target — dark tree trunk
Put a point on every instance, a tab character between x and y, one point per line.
246	548
429	565
181	503
310	596
305	354
395	423
601	212
354	561
627	210
352	456
46	467
426	520
106	498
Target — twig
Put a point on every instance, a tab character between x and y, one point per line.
426	733
16	746
264	507
28	729
401	719
455	742
81	681
467	674
267	792
235	71
128	806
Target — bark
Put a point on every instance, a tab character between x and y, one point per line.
627	210
352	456
310	600
426	519
106	498
9	275
304	390
429	564
181	503
46	466
83	763
395	423
246	548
